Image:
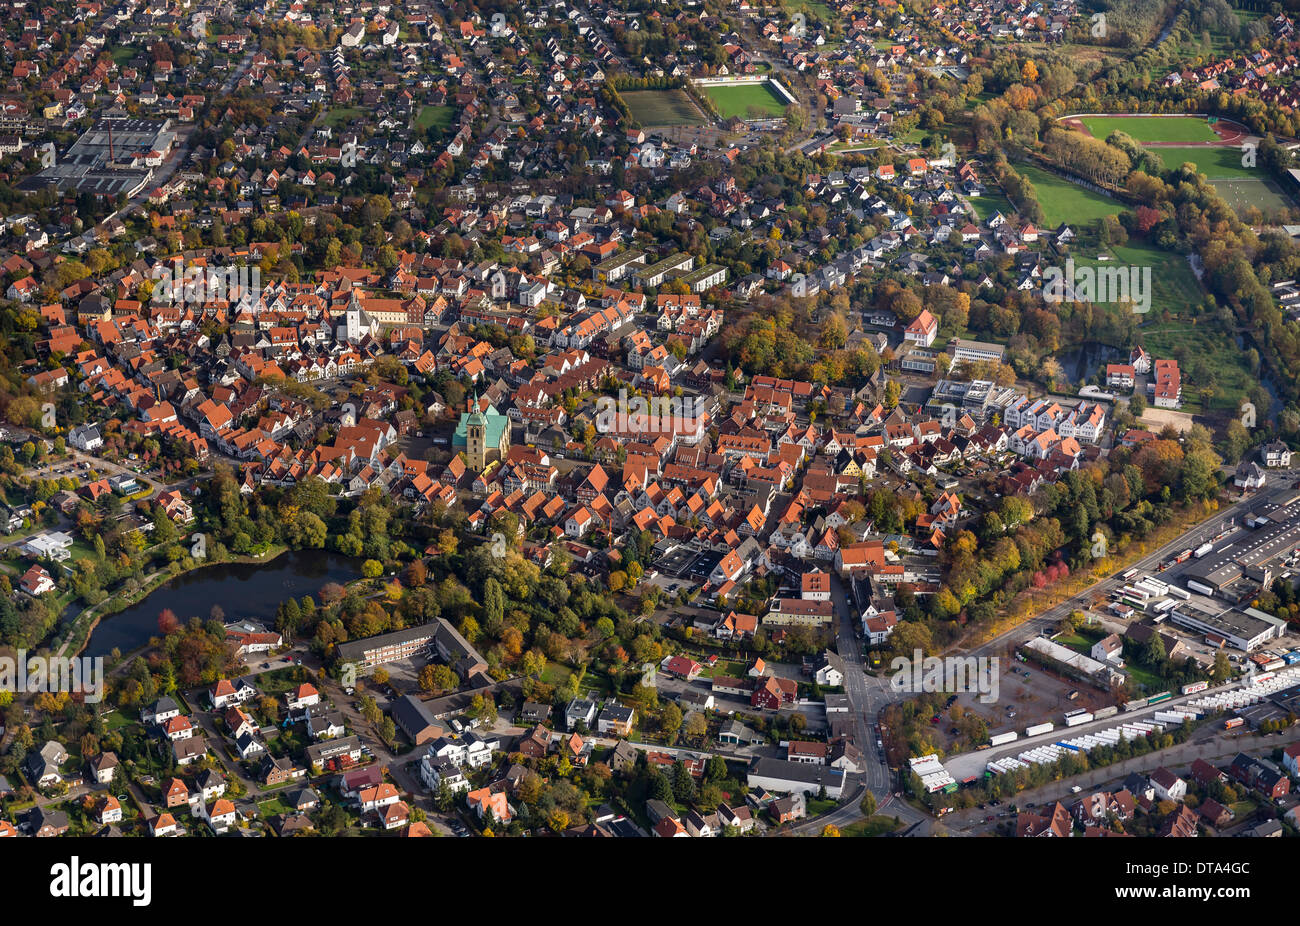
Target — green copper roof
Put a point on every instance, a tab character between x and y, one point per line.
494	424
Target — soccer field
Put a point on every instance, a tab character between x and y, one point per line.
1152	128
1263	193
663	108
1223	163
747	101
1240	186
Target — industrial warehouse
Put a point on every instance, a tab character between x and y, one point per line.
115	156
1244	630
1275	538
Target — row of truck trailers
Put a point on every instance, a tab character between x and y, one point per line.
1050	752
1231	698
1079	717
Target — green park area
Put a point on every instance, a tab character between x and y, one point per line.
748	101
663	107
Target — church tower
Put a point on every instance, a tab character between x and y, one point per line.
476	438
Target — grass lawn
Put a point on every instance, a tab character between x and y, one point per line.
123	53
81	550
1241	810
1063	201
272	807
337	118
116	720
746	101
1202	346
1152	682
914	137
278	681
1173	285
1075	642
726	668
988	204
817	807
1152	128
878	825
663	107
434	115
555	674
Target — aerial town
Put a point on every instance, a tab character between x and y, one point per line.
697	418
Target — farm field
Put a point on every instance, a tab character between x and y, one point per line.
663	107
1152	128
745	100
1063	201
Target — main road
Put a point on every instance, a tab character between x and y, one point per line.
1050	619
867	696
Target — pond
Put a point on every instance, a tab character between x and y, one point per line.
243	590
1081	362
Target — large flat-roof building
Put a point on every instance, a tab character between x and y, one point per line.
115	156
780	775
1244	630
1275	536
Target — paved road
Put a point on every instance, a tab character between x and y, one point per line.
1050	619
1210	744
867	695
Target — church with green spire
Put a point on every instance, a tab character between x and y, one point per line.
483	433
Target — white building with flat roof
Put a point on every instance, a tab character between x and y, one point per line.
55	545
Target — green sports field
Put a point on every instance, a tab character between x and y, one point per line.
1240	186
747	101
1223	163
1152	128
1264	194
1063	201
663	107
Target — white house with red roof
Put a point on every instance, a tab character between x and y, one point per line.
923	329
304	695
36	581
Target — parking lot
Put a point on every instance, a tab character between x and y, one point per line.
1027	694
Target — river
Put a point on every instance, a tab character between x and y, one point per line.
243	590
